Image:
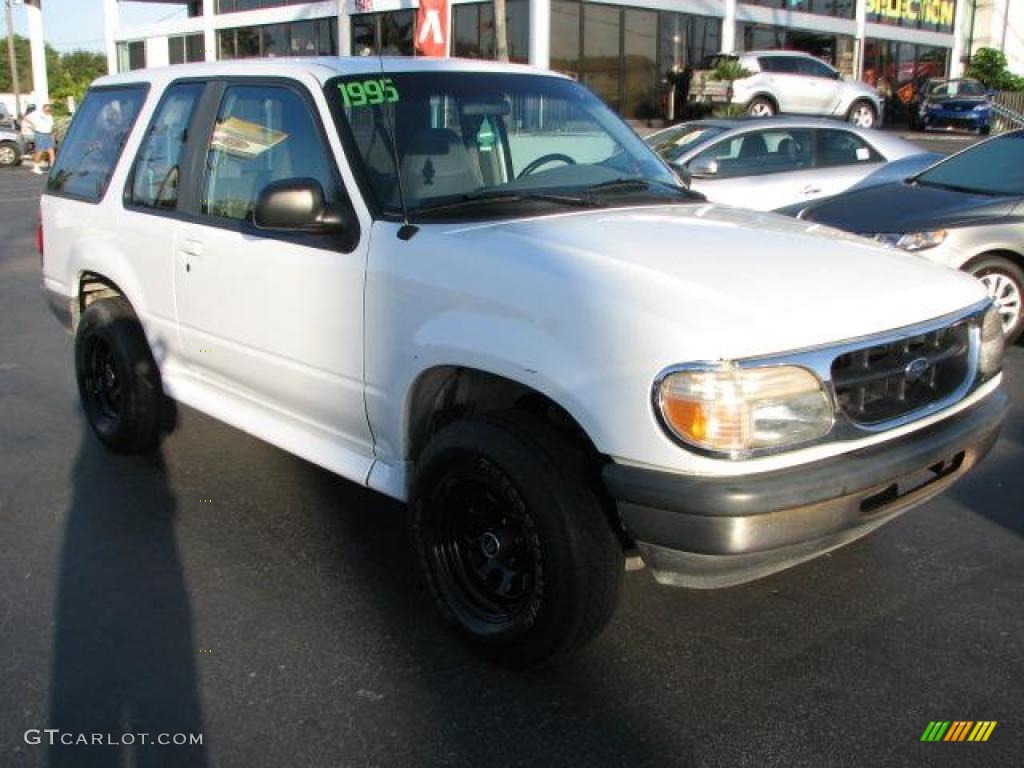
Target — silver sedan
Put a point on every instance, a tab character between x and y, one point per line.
765	164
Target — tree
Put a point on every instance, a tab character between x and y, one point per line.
75	73
729	71
989	66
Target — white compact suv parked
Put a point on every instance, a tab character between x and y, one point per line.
793	83
473	288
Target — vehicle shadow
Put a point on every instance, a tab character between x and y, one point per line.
439	703
123	657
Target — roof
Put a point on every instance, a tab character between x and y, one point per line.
795	54
322	68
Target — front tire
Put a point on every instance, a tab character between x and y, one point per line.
759	106
512	538
862	114
10	156
118	380
1004	281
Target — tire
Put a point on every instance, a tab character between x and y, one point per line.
985	131
10	156
759	106
511	482
118	380
862	114
1004	281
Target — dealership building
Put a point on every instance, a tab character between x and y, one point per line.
622	50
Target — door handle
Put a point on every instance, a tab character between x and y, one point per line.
810	189
192	247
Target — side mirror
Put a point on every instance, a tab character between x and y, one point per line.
296	205
701	167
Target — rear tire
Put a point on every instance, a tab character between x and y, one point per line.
862	114
118	380
759	106
513	540
10	155
1004	281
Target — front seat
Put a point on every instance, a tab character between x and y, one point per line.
753	147
436	165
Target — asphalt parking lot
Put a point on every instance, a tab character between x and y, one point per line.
226	588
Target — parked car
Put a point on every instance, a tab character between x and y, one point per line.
967	212
791	82
958	104
768	164
539	340
11	147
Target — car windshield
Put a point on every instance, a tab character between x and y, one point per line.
470	143
990	168
957	88
673	142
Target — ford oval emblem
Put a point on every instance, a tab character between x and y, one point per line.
915	369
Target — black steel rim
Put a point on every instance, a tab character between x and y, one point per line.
102	384
484	551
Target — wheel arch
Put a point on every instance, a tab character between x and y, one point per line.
768	96
1010	255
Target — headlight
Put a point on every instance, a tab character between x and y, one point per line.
913	241
982	108
990	362
732	410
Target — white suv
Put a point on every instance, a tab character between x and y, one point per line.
474	288
794	83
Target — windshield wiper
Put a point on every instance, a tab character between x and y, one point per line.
497	197
642	184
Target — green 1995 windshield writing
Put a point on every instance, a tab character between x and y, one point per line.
363	92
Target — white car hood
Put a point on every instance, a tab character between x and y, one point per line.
723	282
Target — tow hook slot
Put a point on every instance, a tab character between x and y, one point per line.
881	499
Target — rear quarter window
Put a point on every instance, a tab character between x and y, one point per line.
89	154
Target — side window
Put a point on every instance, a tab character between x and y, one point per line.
759	152
264	133
815	68
157	170
779	65
90	152
839	147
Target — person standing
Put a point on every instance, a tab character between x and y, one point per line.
42	124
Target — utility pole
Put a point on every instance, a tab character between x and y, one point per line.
13	59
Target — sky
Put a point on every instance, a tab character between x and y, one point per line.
78	24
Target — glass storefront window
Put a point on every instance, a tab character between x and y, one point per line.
185	48
275	40
898	70
235	6
835	50
565	37
640	75
386	34
601	65
473	36
842	9
131	55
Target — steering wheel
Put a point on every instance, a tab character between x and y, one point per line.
544	160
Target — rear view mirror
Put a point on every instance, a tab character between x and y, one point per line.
296	205
703	166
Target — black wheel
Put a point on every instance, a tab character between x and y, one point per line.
513	540
118	379
10	155
1004	281
759	106
985	130
862	114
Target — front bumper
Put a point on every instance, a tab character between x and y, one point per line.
705	532
952	120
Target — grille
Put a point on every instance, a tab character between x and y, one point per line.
884	382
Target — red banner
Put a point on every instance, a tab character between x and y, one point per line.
432	28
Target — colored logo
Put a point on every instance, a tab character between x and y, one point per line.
959	730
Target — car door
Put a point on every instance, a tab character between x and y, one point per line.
783	78
821	86
273	321
762	169
841	159
149	225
